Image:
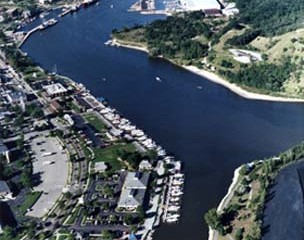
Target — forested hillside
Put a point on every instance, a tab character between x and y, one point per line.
272	17
175	36
191	38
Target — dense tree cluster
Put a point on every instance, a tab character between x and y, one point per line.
174	36
267	76
244	39
18	60
272	17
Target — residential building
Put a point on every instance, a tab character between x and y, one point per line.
55	90
145	165
100	167
133	191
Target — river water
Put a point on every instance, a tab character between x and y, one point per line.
211	130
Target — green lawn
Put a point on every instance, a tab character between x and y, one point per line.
95	122
109	154
29	201
76	213
74	106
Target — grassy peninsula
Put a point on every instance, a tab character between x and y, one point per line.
267	32
240	214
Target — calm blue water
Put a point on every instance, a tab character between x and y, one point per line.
211	130
283	214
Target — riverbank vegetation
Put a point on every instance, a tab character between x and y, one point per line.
274	61
242	216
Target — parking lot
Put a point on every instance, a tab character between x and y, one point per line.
50	168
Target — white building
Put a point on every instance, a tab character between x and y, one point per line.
100	167
69	119
192	5
55	89
144	165
133	191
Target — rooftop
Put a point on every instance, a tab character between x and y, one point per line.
55	88
3	147
200	4
4	187
100	167
134	189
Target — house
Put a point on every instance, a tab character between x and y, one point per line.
15	97
26	14
133	191
213	12
5	192
4	151
12	12
100	167
144	165
194	5
55	90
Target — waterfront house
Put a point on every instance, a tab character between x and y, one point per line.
145	165
55	90
12	12
133	191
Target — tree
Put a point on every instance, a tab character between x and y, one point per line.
107	235
1	170
239	234
141	213
128	219
26	178
20	142
8	233
213	219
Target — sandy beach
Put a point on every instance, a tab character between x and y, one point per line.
238	90
218	80
116	43
213	235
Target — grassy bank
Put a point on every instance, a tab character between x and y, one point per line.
190	39
242	216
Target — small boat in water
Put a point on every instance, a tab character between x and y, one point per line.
158	79
199	87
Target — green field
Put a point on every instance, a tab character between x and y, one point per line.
29	201
95	122
110	154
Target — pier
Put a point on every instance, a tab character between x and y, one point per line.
40	27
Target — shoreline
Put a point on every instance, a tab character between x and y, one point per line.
210	76
212	234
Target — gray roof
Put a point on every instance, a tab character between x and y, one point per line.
145	164
134	189
100	166
136	180
3	148
4	187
